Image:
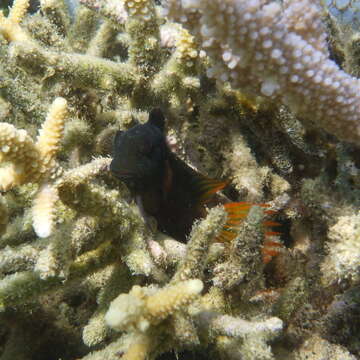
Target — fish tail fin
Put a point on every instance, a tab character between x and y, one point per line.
271	248
272	244
204	189
237	212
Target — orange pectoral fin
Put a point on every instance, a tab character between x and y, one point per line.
204	188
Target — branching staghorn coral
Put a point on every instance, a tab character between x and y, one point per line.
279	50
143	307
32	162
234	330
35	162
113	61
243	258
342	261
10	26
193	263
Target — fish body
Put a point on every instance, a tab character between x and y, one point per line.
165	187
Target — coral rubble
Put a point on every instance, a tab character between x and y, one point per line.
261	92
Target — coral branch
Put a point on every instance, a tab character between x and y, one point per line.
18	11
83	276
51	133
23	286
139	348
114	10
18	147
43	210
76	68
343	260
245	255
9	27
236	327
201	236
31	162
21	257
57	12
261	44
145	306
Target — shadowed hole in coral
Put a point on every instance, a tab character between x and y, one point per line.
284	229
38	335
231	192
354	152
76	299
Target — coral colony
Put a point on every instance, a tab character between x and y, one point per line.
262	95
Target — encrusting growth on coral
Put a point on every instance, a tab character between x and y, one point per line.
202	234
344	251
4	216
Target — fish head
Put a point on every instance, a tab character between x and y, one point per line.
139	154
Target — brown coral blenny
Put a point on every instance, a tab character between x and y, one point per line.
167	189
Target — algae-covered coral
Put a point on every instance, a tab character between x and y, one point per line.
262	93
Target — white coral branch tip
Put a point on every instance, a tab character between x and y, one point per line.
51	133
43	210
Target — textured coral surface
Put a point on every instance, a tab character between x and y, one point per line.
262	93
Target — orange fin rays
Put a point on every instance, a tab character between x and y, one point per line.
204	188
237	212
271	248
